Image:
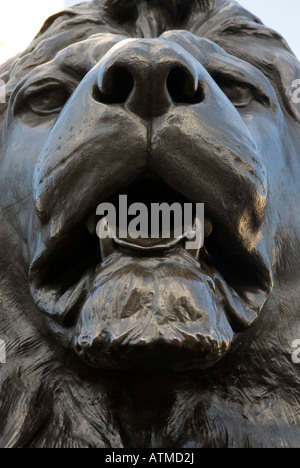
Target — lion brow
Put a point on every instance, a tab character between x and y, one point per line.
126	9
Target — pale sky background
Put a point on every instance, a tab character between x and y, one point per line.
20	20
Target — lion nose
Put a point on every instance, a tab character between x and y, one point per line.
148	77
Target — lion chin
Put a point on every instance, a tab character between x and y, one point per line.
125	343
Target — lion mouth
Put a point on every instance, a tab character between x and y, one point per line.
151	194
106	298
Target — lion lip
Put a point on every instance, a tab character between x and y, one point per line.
144	356
146	324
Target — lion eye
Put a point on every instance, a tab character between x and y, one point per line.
239	94
47	101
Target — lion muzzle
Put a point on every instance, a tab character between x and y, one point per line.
124	305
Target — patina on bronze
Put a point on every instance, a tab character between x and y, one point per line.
174	99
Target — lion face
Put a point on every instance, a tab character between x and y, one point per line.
175	114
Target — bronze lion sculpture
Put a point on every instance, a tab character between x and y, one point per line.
186	100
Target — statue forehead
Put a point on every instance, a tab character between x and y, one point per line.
85	20
74	34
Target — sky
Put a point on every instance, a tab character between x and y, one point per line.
20	20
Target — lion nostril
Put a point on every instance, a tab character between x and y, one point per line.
116	86
181	87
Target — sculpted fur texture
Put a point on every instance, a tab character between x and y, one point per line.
109	346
